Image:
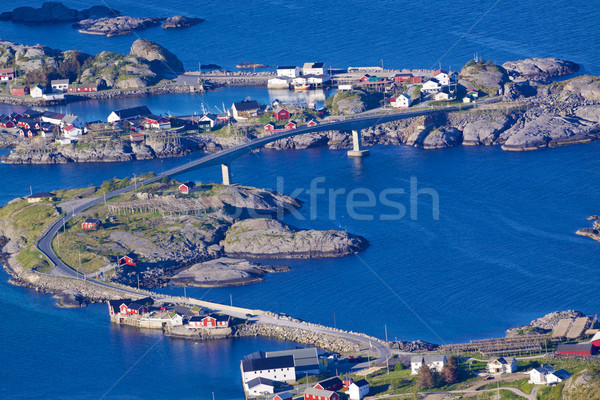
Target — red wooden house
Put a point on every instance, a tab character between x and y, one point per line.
6	124
31	133
26	123
83	88
136	309
270	127
210	321
291	125
187	188
415	80
19	91
365	78
118	307
347	383
596	340
312	122
281	113
283	396
579	349
137	137
332	384
320	394
91	223
130	259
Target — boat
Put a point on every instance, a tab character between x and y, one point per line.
300	86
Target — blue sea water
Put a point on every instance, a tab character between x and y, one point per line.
500	252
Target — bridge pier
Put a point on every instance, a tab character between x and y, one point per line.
356	151
226	174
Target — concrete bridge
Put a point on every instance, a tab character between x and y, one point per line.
354	125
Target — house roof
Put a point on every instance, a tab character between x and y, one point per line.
259	381
287	67
53	115
428	359
260	364
69	118
246	105
115	304
361	383
278	110
319	392
283	396
330	382
314	65
92	220
575	347
304	358
440	71
543	369
132	112
59	81
217	317
196	318
6	70
135	305
562	374
40	195
131	254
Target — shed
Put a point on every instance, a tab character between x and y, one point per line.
580	349
130	259
91	223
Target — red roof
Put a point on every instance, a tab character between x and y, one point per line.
439	71
69	128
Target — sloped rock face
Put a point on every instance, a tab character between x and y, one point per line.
180	21
162	61
267	238
547	130
540	69
484	132
443	137
583	385
485	77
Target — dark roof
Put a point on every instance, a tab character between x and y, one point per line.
115	304
40	195
317	65
260	364
562	374
136	305
131	254
29	121
197	318
219	317
287	67
58	81
133	112
246	105
92	220
53	115
259	381
331	382
145	300
361	383
575	347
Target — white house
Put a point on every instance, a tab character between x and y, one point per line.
47	134
313	68
442	76
537	376
274	368
72	132
37	92
290	72
7	74
63	141
402	101
431	86
358	390
53	96
557	377
502	365
279	83
52	117
317	79
341	88
60	85
72	119
441	96
259	386
434	361
299	81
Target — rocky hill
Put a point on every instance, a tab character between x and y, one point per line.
56	12
146	64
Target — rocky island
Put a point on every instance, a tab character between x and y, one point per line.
116	26
53	11
182	239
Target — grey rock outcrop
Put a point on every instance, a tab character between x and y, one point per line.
180	21
272	239
547	130
116	26
442	137
540	69
162	61
484	132
485	77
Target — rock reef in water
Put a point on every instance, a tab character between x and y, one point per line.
224	271
249	65
593	232
56	12
116	26
180	21
267	238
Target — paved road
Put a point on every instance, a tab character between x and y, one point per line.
224	157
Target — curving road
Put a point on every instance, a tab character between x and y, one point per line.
224	157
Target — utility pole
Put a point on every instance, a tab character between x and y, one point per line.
385	327
230	299
138	281
184	292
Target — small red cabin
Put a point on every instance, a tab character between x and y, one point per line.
91	223
312	122
320	394
283	396
332	384
270	127
7	124
130	259
281	113
187	188
19	91
291	125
